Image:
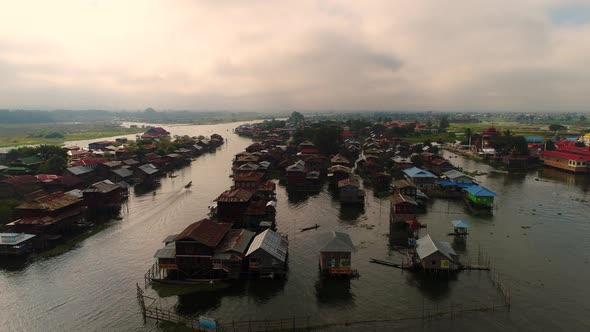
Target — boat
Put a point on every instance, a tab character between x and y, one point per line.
189	184
310	227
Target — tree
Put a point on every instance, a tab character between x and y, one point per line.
417	160
327	139
582	118
556	127
296	117
580	144
549	145
444	123
54	165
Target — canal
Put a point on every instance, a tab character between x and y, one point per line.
537	238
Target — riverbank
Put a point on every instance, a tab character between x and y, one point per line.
57	134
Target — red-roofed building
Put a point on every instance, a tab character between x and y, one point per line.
157	132
566	160
19	185
232	204
195	247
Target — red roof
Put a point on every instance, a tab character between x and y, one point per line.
89	161
346	134
310	151
566	155
20	180
155	133
205	232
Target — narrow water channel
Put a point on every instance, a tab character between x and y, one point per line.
93	287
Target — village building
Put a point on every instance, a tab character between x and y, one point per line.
104	194
146	172
401	163
340	160
350	192
421	178
479	197
195	248
155	133
248	180
49	217
406	188
436	256
567	161
267	255
99	146
440	165
85	173
402	208
336	255
121	174
337	173
232	204
458	177
296	174
229	256
18	186
16	244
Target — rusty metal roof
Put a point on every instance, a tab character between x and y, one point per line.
235	196
205	231
51	202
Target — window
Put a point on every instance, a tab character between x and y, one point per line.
433	262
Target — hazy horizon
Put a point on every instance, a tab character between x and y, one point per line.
310	56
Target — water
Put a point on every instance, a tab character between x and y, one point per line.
93	286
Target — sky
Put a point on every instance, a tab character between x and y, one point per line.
398	55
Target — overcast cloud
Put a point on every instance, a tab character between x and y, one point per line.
525	55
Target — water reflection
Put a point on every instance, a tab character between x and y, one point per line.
298	196
145	188
333	291
14	264
430	286
351	213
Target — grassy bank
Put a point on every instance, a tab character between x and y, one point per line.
73	242
32	134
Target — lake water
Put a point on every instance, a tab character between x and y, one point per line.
93	287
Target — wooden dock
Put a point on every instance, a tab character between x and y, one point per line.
392	264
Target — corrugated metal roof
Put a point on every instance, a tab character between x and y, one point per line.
14	238
79	170
167	252
236	240
403	184
235	196
105	186
271	243
51	202
480	191
401	198
460	223
205	232
426	246
148	169
337	242
415	172
123	172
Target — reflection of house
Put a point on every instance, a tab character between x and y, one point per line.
436	255
229	255
420	177
350	193
402	208
268	253
335	254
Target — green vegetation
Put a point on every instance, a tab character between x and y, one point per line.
7	210
73	242
33	134
325	136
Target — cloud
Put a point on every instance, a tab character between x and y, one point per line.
307	55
